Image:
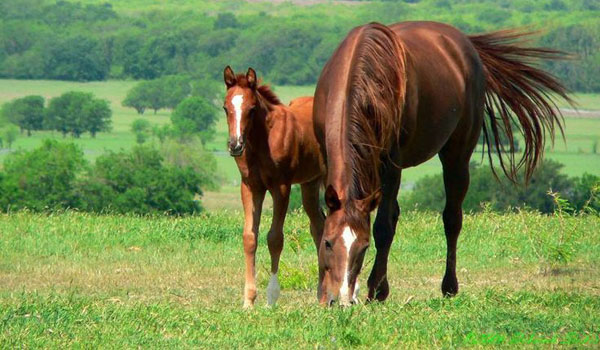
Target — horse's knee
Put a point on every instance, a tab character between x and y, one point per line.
275	239
249	242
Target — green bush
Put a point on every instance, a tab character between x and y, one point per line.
44	178
139	182
502	195
56	176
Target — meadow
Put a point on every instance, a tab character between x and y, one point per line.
69	279
582	130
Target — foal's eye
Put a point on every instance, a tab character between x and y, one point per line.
328	245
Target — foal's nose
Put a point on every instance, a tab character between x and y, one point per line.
236	146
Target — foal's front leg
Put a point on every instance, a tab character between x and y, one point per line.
281	197
252	199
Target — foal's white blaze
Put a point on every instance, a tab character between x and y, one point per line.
348	237
237	101
273	290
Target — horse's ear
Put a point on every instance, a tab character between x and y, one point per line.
331	199
229	77
251	78
369	203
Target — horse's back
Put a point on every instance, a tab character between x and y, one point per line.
446	84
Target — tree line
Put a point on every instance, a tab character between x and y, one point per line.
42	39
73	113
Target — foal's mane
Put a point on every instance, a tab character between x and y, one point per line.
263	91
376	93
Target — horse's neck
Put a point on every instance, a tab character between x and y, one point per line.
271	128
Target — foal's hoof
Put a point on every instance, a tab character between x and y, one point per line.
449	286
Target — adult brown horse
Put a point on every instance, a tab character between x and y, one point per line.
391	98
274	147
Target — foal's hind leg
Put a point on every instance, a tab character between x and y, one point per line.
310	202
456	183
281	197
384	230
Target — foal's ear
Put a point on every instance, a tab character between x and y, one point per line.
229	77
331	199
251	78
369	203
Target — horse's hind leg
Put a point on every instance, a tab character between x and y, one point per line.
252	199
310	202
384	230
456	183
281	197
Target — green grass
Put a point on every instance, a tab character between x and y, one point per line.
90	281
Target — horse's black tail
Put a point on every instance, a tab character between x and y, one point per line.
518	93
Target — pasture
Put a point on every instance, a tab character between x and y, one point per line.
89	281
582	131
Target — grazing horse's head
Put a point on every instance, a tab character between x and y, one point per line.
344	244
240	102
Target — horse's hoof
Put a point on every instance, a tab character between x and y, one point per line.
449	286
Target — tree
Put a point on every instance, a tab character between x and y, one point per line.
141	129
78	112
136	98
226	20
79	58
9	134
166	92
96	116
194	115
175	88
26	112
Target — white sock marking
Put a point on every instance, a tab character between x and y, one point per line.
237	101
273	290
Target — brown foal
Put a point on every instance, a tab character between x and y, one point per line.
274	147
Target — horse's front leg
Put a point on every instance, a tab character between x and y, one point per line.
281	197
252	199
310	202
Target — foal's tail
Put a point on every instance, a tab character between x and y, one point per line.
518	95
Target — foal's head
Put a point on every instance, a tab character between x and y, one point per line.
240	104
344	244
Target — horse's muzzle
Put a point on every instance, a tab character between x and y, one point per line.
236	146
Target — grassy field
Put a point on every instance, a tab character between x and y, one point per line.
87	281
576	153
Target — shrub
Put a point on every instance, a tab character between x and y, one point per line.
141	128
139	182
501	194
42	178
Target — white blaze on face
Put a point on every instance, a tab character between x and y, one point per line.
237	101
348	237
273	290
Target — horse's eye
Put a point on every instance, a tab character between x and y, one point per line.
328	245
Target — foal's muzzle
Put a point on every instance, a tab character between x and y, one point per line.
236	146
